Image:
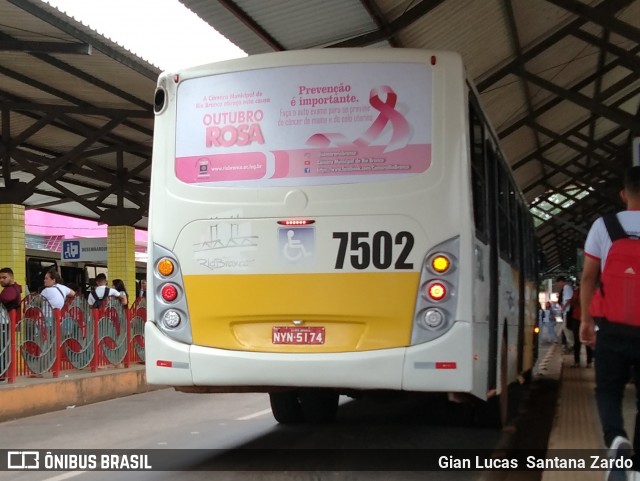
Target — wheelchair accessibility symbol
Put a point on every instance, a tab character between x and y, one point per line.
296	244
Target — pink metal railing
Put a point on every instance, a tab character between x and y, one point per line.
39	340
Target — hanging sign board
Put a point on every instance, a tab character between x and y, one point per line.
84	250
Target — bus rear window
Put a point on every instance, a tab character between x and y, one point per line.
304	125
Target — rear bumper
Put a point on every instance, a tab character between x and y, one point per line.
442	365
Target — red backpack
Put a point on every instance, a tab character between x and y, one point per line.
620	281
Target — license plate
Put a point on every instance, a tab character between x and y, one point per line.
297	335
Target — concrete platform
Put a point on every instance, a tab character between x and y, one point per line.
29	396
576	424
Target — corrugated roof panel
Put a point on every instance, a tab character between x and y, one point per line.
75	87
630	14
528	174
535	19
228	25
622	80
518	144
333	20
24	26
629	98
470	27
41	21
107	70
66	79
17	87
505	104
563	116
128	130
565	62
52	138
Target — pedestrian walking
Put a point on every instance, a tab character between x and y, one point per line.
612	252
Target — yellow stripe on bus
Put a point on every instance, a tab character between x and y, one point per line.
359	311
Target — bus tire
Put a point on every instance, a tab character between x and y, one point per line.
319	406
285	406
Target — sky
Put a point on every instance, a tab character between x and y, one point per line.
163	32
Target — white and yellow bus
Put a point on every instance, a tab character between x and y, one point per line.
334	221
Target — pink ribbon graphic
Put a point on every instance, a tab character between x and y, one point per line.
399	138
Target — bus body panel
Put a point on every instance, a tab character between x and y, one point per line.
508	314
166	361
442	365
356	311
242	280
480	303
530	322
434	367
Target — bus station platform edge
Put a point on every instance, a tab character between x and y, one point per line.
37	395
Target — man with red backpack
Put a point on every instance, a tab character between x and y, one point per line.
612	251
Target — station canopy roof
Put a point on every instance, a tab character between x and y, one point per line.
77	117
558	79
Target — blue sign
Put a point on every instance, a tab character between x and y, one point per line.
71	250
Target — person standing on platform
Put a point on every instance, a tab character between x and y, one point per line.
143	288
11	298
118	285
564	300
612	251
101	292
548	324
54	290
575	313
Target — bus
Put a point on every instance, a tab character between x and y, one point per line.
338	221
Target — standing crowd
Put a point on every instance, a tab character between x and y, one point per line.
56	293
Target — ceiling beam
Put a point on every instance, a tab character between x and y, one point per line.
74	153
517	50
626	81
252	25
79	110
625	57
30	163
80	32
403	21
607	6
615	115
63	95
45	47
380	20
599	17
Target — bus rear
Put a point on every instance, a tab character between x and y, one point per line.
310	225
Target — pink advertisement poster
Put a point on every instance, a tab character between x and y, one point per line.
304	125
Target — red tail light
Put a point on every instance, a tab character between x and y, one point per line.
169	292
436	291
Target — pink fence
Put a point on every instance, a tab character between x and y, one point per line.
38	339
